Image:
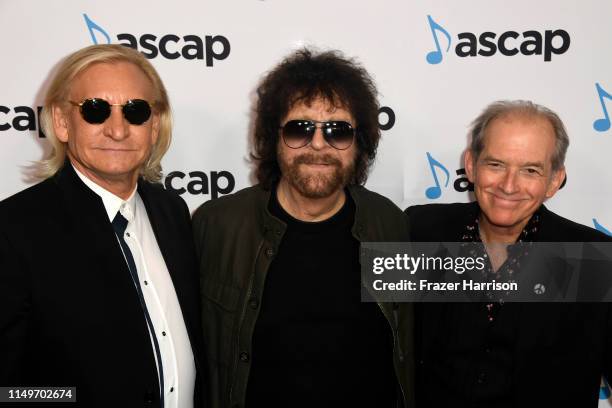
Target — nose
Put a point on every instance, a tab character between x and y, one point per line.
509	183
318	141
116	126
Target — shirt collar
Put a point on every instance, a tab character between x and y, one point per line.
112	203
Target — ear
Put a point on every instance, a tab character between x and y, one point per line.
555	182
60	123
468	162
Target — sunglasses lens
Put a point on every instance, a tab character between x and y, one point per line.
95	111
298	133
339	134
137	111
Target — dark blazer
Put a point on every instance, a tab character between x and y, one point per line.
69	312
560	349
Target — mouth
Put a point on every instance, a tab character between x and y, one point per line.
113	149
506	201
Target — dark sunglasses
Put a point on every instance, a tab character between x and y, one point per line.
298	133
96	110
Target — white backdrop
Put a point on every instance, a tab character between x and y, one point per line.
568	52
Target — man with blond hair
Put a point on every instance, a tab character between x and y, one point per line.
98	282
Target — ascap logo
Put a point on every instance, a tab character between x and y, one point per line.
602	124
488	43
199	183
209	48
461	184
21	118
601	228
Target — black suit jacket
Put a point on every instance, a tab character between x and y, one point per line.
560	349
69	312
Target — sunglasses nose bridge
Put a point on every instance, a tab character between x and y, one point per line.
318	140
116	126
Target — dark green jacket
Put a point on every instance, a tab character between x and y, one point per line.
236	240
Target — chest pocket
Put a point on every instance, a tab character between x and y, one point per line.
225	296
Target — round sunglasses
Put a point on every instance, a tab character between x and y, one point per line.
298	133
97	110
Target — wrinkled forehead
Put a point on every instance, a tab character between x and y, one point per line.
530	134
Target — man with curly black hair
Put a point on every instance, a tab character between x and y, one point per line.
279	261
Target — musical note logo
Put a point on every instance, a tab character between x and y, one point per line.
435	57
603	124
601	228
435	191
91	26
604	390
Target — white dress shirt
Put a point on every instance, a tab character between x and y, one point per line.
159	295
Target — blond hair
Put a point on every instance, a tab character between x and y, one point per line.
57	95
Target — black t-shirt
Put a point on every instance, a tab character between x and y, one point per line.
315	343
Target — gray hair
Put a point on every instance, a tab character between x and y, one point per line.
524	108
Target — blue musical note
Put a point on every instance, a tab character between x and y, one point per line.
603	124
601	228
435	57
93	26
434	192
604	390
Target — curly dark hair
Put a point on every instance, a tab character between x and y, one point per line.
304	76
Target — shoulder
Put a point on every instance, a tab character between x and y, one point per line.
374	202
377	218
439	222
31	199
558	228
232	206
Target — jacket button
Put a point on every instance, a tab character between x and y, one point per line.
253	303
270	252
244	357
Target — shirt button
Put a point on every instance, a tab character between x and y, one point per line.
127	234
171	389
270	252
481	378
244	357
146	283
253	303
163	333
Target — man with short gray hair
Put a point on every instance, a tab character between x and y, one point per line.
496	354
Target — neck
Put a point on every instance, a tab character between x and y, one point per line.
490	233
122	186
308	209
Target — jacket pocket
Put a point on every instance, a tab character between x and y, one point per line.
225	296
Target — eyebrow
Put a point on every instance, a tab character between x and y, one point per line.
539	165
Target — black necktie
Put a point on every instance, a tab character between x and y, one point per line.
119	225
